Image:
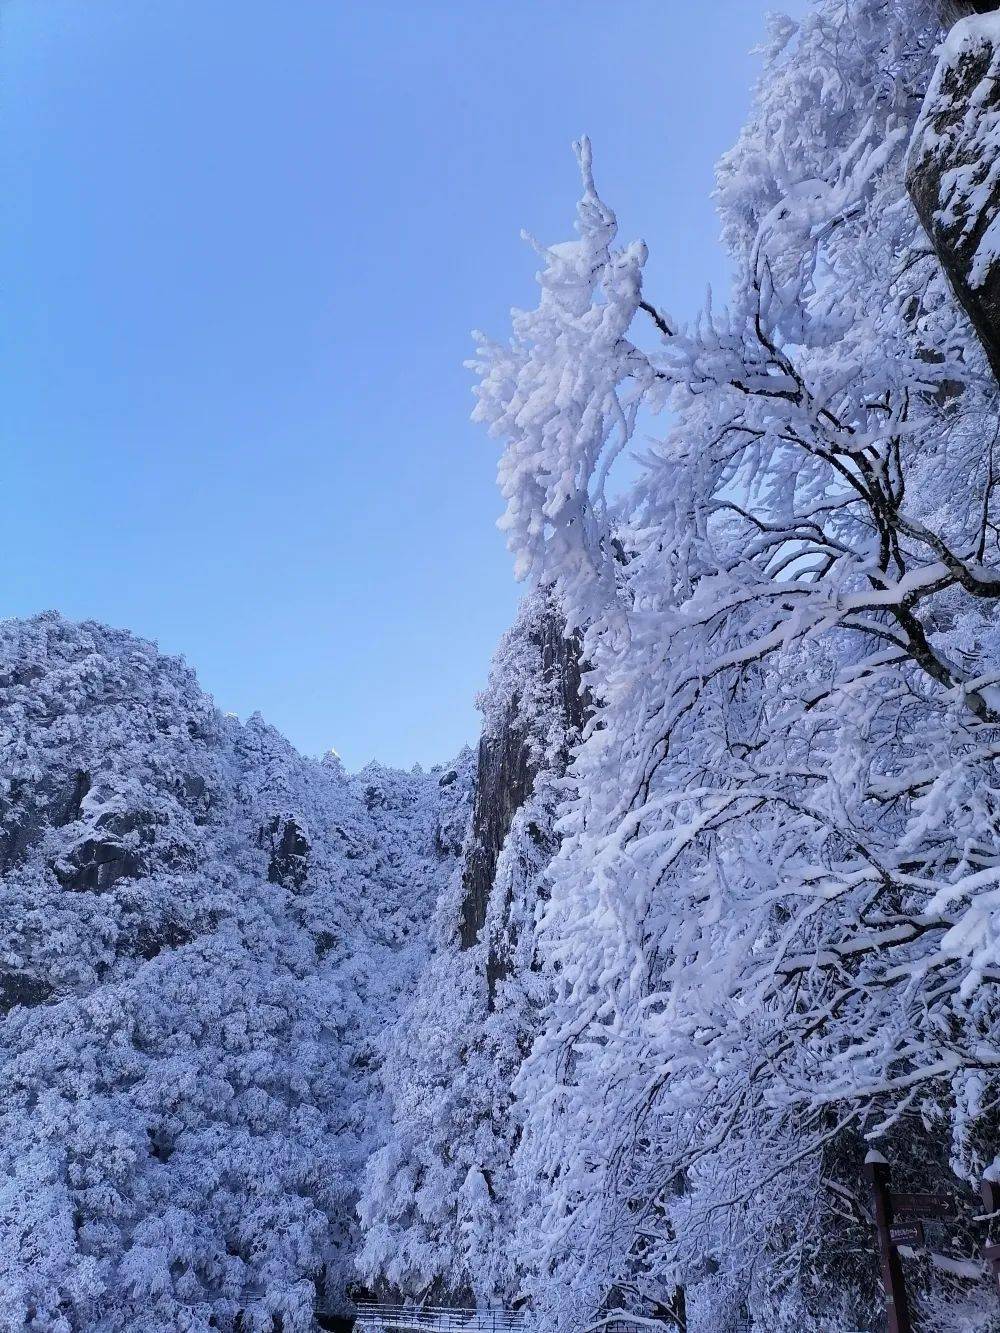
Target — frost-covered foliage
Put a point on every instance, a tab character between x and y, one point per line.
555	395
772	929
201	937
440	1202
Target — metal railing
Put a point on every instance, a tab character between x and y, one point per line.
622	1322
373	1318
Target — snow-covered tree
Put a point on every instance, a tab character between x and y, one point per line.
772	914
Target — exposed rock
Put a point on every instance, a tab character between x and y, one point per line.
31	808
511	752
74	807
288	863
114	849
148	942
21	988
953	169
97	865
504	778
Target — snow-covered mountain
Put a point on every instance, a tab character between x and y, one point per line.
241	988
203	937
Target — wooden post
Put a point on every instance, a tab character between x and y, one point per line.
897	1310
990	1191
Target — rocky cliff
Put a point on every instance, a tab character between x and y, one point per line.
532	712
953	169
438	1206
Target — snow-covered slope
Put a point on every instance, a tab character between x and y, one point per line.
201	937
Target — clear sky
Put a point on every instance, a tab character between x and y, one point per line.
243	244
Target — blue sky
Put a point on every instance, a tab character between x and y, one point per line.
243	245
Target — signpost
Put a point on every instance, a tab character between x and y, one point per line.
922	1205
897	1223
990	1191
912	1233
897	1310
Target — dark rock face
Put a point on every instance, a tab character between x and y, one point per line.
97	864
507	766
953	171
122	844
504	778
31	809
288	863
21	988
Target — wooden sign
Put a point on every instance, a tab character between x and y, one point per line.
992	1256
990	1190
911	1233
922	1205
897	1310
